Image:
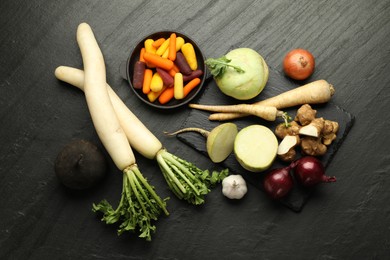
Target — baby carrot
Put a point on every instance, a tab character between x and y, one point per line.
156	83
172	47
165	54
138	74
141	54
152	96
158	61
190	86
179	42
166	95
147	79
160	51
174	70
178	86
149	46
157	43
189	53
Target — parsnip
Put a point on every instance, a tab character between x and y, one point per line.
268	113
316	92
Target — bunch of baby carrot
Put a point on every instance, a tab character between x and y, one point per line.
167	69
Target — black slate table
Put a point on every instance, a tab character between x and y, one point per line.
41	219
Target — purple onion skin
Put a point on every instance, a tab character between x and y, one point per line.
278	183
309	171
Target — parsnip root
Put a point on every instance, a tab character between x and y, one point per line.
316	92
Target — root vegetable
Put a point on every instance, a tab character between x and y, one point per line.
290	139
317	134
139	204
166	78
194	74
172	47
234	187
316	92
255	148
299	64
182	64
80	165
286	150
178	86
158	61
185	180
190	86
266	112
305	114
220	140
314	128
148	75
138	75
313	146
329	132
282	130
189	53
157	83
242	73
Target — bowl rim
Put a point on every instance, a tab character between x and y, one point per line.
142	96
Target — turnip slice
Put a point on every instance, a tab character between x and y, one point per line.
255	148
220	140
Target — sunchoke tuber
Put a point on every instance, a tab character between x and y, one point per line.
317	134
305	114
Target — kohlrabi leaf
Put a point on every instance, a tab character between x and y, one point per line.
218	66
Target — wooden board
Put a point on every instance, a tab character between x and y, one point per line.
277	84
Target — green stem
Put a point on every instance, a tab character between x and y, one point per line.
161	161
179	169
132	178
238	69
150	190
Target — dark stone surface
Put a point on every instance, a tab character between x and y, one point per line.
41	219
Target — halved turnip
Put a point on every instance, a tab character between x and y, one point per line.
255	148
80	165
220	140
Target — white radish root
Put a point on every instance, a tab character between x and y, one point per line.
131	125
139	202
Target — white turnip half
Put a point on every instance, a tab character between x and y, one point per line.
219	141
255	148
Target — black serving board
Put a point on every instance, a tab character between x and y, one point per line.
276	84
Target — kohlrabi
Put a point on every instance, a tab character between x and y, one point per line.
242	73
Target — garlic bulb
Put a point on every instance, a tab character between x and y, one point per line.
234	187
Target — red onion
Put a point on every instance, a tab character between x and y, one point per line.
278	183
309	171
